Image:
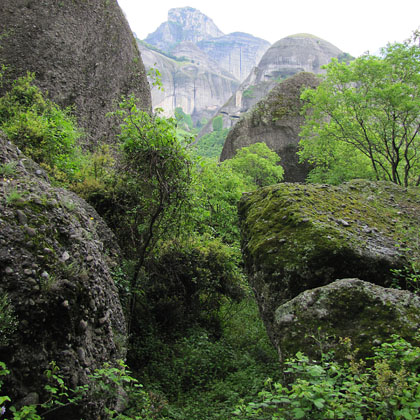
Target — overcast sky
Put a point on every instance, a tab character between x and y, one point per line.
354	26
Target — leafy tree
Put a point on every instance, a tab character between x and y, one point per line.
217	123
183	119
366	113
211	144
257	164
153	183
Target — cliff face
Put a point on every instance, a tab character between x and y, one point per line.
200	66
82	52
237	52
184	24
56	260
195	83
299	239
290	55
276	121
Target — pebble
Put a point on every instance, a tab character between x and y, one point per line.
8	270
65	256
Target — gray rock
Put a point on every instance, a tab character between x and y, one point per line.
52	308
75	48
364	312
275	120
292	240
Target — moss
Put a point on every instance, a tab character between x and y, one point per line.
305	236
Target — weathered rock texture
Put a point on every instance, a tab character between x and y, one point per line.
345	308
82	52
56	258
276	120
184	24
195	83
201	67
300	237
290	55
237	53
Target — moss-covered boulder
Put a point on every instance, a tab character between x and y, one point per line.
82	52
56	260
297	237
275	120
364	312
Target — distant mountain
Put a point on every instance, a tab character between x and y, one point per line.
200	66
238	53
195	83
184	24
290	55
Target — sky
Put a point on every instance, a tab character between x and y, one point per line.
354	26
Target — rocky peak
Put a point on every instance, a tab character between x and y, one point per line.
184	24
194	23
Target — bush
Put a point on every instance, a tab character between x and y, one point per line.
43	131
387	386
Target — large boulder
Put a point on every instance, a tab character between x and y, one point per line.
299	237
276	120
82	52
364	312
288	56
56	260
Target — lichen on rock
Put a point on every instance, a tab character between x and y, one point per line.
56	259
364	312
298	237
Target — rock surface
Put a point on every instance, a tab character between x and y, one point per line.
56	259
200	66
183	24
237	53
291	55
195	82
82	52
275	120
299	237
364	312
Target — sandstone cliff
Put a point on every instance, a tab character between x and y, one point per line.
201	67
83	54
237	52
184	24
276	121
296	238
291	55
56	260
194	82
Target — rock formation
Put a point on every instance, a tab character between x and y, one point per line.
194	82
201	67
275	120
291	55
367	313
82	52
296	238
237	53
184	24
56	260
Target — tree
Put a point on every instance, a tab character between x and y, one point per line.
258	164
367	111
153	183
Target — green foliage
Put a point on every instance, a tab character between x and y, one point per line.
386	386
257	164
8	321
42	130
113	386
217	123
364	118
183	120
211	145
